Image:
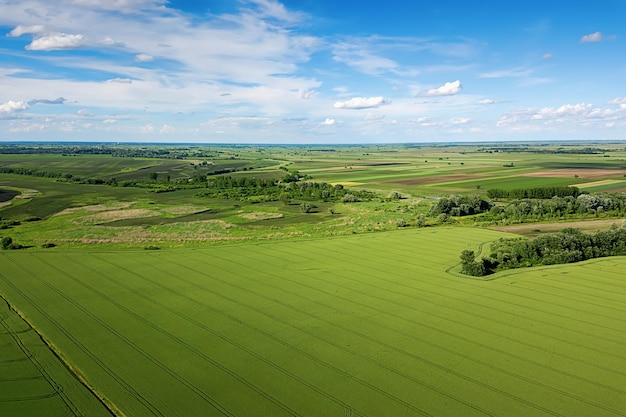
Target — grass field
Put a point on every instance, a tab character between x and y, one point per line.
366	325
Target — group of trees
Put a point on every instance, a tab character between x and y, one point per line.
560	207
460	205
538	192
291	187
567	246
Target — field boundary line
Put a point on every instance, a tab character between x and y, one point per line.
59	356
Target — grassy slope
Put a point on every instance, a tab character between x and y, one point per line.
366	325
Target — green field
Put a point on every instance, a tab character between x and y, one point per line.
365	325
33	380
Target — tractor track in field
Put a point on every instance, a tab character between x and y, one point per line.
138	349
485	363
142	400
231	341
389	346
187	346
57	390
492	318
534	382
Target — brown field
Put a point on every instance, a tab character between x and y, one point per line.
432	180
535	229
570	173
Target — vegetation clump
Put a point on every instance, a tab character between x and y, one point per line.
567	246
460	205
537	192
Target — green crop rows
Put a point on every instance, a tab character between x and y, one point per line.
365	325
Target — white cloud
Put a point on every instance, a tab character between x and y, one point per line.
547	56
22	30
109	121
357	103
592	37
620	101
448	89
580	114
275	10
144	58
329	122
120	81
56	41
149	128
13	106
460	120
166	129
486	101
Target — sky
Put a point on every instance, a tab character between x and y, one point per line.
312	71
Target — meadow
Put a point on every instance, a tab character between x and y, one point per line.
256	308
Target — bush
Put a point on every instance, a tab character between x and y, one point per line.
48	245
350	198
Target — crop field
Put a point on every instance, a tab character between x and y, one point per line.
366	325
32	380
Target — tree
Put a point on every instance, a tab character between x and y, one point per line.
421	220
470	266
6	242
153	176
306	207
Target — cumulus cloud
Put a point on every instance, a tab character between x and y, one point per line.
56	42
13	106
144	58
329	122
596	37
448	89
23	30
358	103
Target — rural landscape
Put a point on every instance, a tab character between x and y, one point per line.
450	279
312	208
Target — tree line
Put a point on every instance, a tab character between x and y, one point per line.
537	192
567	246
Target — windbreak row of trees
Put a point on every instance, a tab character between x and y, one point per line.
569	245
538	192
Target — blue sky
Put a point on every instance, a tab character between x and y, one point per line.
312	71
